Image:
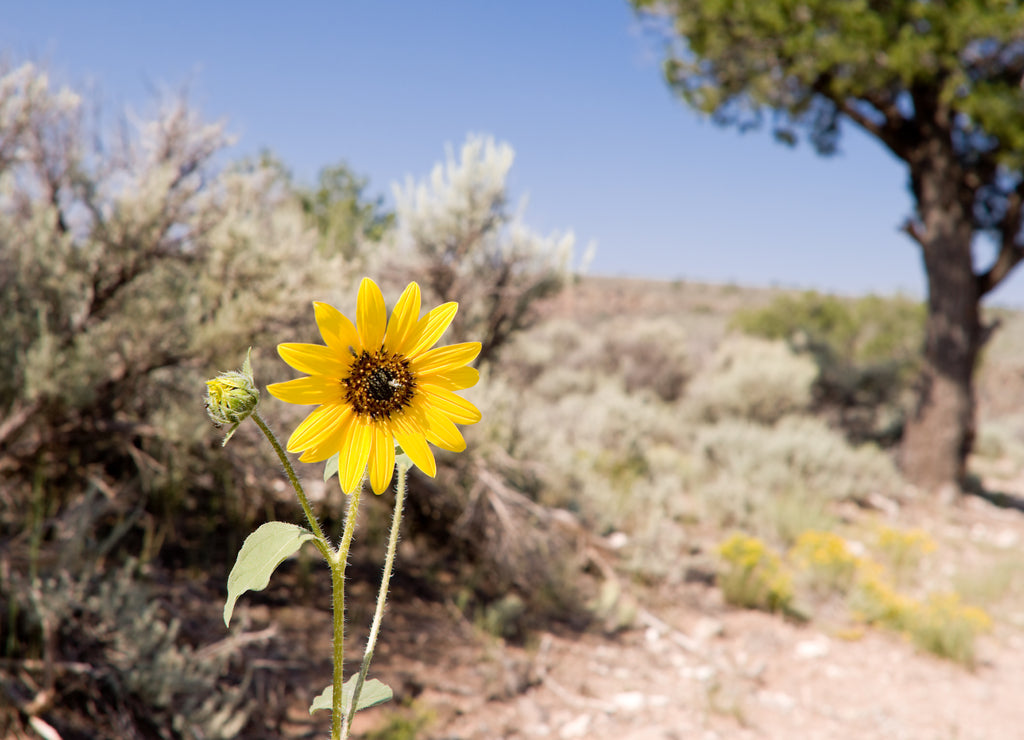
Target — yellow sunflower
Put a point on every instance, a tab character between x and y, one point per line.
378	382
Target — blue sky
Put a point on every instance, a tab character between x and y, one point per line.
573	85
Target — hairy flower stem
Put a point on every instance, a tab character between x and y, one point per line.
338	562
382	595
322	544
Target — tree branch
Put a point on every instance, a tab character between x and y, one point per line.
1010	252
1009	256
17	416
892	132
913	230
860	119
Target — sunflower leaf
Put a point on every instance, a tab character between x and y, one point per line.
331	467
374	692
261	553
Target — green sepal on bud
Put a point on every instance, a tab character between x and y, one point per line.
232	396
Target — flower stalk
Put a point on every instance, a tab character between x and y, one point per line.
382	595
338	563
322	543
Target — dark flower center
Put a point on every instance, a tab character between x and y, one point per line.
379	385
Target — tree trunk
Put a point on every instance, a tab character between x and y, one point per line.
940	432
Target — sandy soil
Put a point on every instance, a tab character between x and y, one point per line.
692	667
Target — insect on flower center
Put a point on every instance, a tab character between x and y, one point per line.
379	385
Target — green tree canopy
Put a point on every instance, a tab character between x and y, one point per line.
343	214
810	61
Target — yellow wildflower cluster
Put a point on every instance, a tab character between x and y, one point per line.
874	600
753	576
827	559
945	626
903	549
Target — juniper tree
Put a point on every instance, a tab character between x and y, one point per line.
939	84
344	216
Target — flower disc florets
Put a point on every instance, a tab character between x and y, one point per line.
380	384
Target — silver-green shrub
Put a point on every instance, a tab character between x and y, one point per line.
458	237
586	413
753	379
616	459
129	266
736	448
753	476
137	675
867	350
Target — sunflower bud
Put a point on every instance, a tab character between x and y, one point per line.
232	396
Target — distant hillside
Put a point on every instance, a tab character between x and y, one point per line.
597	297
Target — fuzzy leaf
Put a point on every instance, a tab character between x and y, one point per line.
374	692
261	553
331	466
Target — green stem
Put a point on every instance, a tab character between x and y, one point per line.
382	595
322	544
338	562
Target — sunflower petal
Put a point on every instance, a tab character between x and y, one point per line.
429	329
355	451
335	327
443	433
327	446
415	446
403	317
307	390
371	315
440	359
454	380
382	458
313	359
320	423
457	408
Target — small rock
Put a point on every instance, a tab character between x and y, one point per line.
883	503
816	648
834	671
651	733
857	548
702	673
617	540
1005	539
629	701
777	700
575	728
979	533
707	628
